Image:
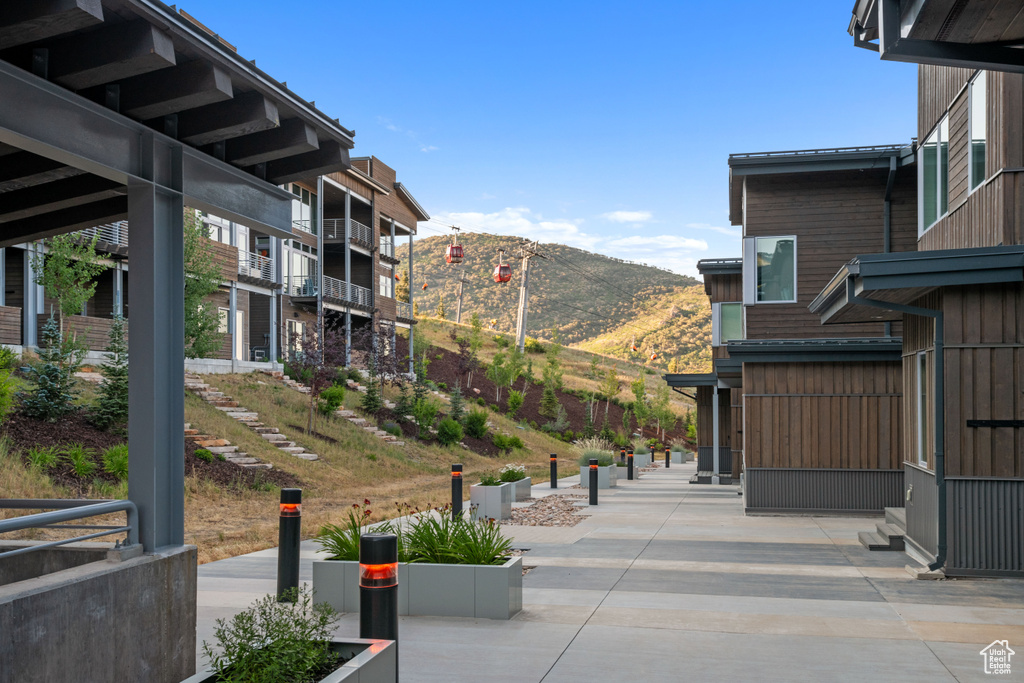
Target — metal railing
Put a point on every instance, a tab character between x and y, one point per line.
301	286
346	291
403	310
66	511
387	247
255	265
334	288
111	233
334	229
361	296
305	225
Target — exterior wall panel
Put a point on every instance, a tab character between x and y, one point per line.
987	525
922	504
810	490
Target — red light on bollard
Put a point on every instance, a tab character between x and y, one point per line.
593	467
291	509
456	475
378	575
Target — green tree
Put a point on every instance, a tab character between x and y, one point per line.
548	402
67	272
609	388
202	279
441	312
641	404
457	409
53	377
372	402
402	287
588	418
515	402
627	421
112	407
505	369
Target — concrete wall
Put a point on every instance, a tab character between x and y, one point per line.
105	621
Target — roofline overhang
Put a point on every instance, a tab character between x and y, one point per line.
882	277
720	266
704	379
420	212
848	350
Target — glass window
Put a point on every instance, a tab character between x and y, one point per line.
776	269
934	175
923	412
732	322
303	209
222	320
977	125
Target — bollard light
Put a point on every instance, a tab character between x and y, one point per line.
456	491
622	457
289	531
668	457
378	587
593	481
554	471
629	465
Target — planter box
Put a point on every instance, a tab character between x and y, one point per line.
437	590
606	477
369	660
521	490
491	502
679	457
642	459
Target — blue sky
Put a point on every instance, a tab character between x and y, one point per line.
602	125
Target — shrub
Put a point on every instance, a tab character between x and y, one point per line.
8	358
514	402
457	409
204	455
476	424
531	345
53	377
490	480
81	460
403	404
533	424
449	431
502	342
115	461
548	402
560	423
331	398
512	472
6	394
507	443
273	641
392	428
425	411
42	458
568	435
480	401
604	458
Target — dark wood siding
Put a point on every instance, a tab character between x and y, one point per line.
937	87
14	287
226	258
736	422
10	325
724	287
834	216
822	415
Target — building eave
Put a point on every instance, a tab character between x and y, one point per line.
841	350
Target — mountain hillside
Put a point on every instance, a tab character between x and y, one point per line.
585	296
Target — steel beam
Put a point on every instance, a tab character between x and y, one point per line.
156	445
61	194
24	169
330	158
63	220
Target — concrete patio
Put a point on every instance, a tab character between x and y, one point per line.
667	581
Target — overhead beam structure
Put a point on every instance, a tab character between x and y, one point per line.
292	137
246	113
168	91
22	23
108	54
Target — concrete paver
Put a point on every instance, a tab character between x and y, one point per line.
668	581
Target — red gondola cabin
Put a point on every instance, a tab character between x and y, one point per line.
502	273
453	254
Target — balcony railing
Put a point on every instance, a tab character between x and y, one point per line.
255	265
334	229
387	247
301	286
111	233
403	310
304	225
335	288
346	291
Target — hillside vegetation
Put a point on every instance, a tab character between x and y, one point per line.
582	295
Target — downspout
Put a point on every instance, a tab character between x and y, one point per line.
940	408
887	222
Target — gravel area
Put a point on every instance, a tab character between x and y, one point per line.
555	510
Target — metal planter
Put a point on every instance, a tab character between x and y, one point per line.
369	660
491	502
606	477
521	490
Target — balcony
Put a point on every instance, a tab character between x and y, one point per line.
387	250
254	267
334	229
403	310
307	226
346	292
110	237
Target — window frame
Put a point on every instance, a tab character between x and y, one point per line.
750	274
942	188
924	418
981	76
716	322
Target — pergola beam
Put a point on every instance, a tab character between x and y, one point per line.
330	158
108	54
246	113
63	220
292	137
61	194
27	22
24	169
169	91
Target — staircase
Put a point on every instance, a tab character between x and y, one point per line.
224	449
250	419
889	534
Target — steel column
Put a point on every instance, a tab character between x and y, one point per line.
348	279
715	431
156	475
412	312
30	306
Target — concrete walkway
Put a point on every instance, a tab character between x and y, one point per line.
667	581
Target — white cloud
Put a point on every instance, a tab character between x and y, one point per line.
522	222
428	148
674	252
732	232
658	243
627	216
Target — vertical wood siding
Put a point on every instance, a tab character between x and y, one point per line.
736	401
835	216
10	325
922	509
724	287
789	490
986	523
937	86
823	415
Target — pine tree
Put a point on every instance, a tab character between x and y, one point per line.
441	311
112	409
548	401
53	377
457	410
588	422
372	402
403	404
607	433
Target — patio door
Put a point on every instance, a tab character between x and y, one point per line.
240	336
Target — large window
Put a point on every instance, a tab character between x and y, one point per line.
769	270
303	208
977	124
933	170
296	331
726	323
923	412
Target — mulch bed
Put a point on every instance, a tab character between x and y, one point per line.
75	428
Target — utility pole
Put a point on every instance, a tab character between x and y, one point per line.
526	252
458	307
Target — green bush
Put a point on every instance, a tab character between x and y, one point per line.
115	461
275	642
442	386
392	428
331	398
476	424
507	443
480	401
531	345
425	411
449	432
8	358
42	458
514	402
53	378
512	472
604	458
490	480
81	460
204	455
502	342
568	435
533	424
